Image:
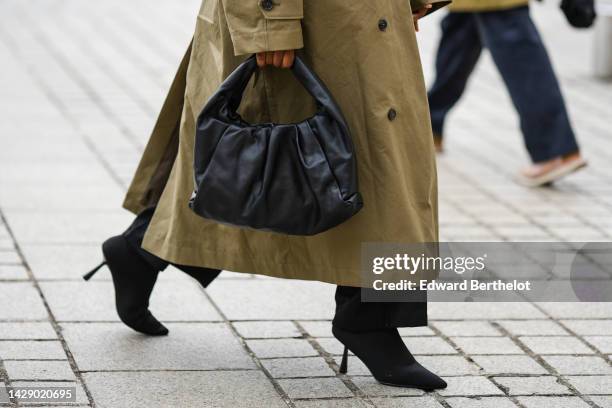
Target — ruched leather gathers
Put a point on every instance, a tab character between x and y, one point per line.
298	179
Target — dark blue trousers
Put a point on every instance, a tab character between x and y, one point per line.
522	60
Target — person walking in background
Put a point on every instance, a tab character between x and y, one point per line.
505	27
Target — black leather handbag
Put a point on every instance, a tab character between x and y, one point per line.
297	179
579	13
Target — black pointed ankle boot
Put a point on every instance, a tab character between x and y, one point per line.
133	279
387	358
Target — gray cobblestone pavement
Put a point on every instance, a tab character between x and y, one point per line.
81	83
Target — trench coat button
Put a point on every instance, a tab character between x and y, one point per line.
267	5
382	24
391	114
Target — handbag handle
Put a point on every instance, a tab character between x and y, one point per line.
233	87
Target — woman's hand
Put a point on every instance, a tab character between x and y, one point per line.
418	14
280	59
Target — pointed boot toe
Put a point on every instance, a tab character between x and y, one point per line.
411	376
424	379
147	324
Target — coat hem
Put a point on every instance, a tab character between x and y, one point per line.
131	202
467	7
234	261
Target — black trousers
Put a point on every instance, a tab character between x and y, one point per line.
351	313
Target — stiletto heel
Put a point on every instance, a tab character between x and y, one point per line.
344	363
91	273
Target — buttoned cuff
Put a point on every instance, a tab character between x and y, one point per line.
279	35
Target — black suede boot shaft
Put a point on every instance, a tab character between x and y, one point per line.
134	280
135	236
387	358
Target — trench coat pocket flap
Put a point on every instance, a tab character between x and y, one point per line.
208	9
284	10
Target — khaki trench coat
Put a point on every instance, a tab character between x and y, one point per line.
486	5
374	73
